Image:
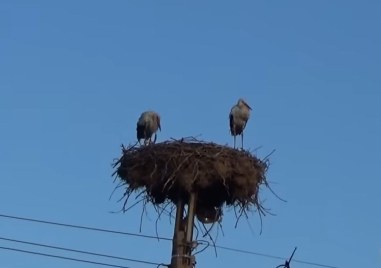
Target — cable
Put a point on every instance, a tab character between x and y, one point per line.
62	257
84	227
250	252
158	237
274	257
78	251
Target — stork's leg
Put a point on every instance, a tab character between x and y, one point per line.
242	140
234	140
154	141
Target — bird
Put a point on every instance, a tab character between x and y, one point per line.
147	125
238	117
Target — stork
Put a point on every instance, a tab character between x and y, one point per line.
148	124
238	117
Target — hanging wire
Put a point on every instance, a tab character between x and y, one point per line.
76	251
62	257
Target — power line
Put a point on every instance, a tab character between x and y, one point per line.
84	227
78	251
274	257
62	257
250	252
162	238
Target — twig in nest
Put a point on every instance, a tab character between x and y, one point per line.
120	184
141	215
200	242
241	211
220	227
271	190
158	218
210	237
137	202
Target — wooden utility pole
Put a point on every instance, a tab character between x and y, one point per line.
183	235
178	237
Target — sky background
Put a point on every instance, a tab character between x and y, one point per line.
75	76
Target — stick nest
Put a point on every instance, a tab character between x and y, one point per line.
171	170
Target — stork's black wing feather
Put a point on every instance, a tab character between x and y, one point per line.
140	132
231	122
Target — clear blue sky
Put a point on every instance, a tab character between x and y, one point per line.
75	76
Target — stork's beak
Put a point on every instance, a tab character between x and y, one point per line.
158	122
248	106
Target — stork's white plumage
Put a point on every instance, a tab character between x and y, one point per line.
148	124
238	117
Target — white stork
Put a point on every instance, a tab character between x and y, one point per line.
148	124
238	117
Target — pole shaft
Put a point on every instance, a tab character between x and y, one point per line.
189	228
178	238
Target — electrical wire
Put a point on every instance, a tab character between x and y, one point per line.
62	257
274	257
162	238
77	251
84	227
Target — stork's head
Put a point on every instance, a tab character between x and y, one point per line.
242	102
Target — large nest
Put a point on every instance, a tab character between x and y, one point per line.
171	170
